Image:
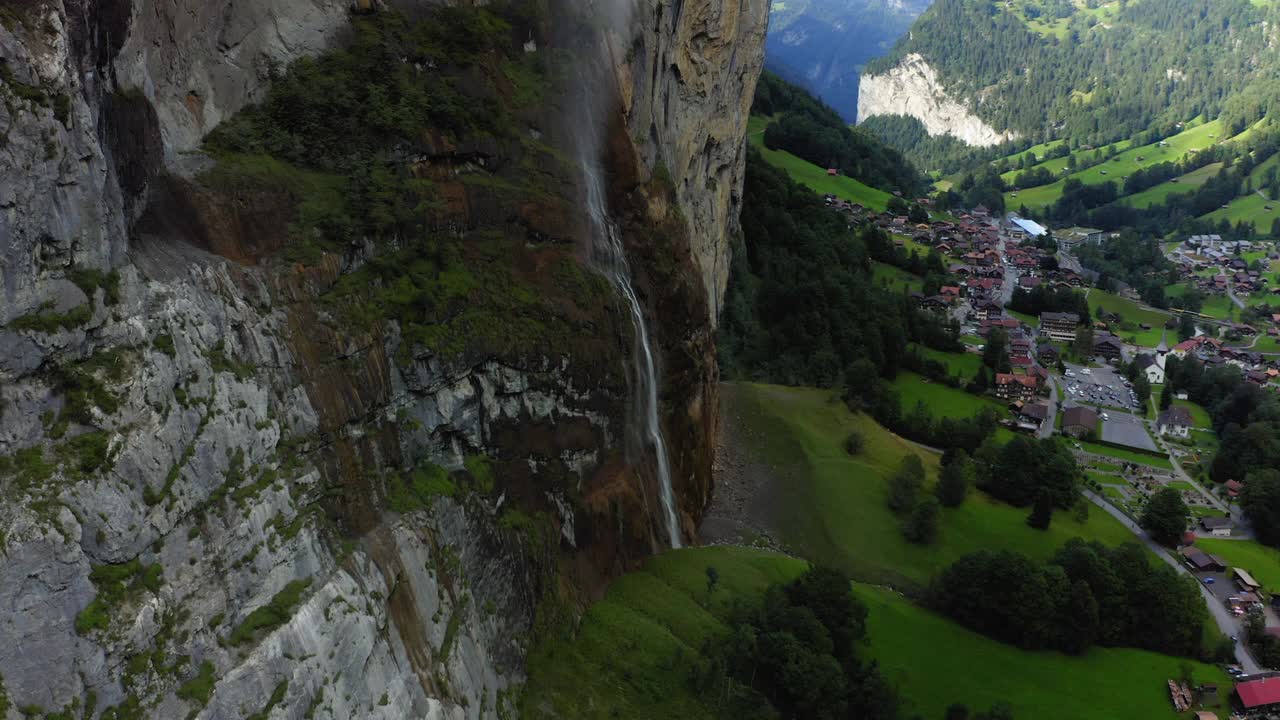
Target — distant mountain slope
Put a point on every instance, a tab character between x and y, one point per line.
1093	72
823	44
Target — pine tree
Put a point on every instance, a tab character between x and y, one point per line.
953	483
1042	511
922	526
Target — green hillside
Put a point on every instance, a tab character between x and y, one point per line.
1251	209
1177	147
1183	183
633	655
814	177
834	511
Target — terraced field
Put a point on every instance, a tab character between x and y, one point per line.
1194	138
1160	193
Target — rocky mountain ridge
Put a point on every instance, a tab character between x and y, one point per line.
912	88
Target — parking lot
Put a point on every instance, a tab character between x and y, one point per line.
1098	386
1126	429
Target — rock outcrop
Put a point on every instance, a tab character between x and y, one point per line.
912	88
223	498
688	76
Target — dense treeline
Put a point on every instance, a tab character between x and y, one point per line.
796	654
1131	259
802	306
804	126
1154	63
1088	594
1024	470
1043	298
1247	420
930	152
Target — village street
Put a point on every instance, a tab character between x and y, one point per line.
1227	623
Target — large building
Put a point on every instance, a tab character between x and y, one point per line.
1175	421
1059	326
1079	421
1071	237
1031	228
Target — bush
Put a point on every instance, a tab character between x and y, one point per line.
272	615
854	442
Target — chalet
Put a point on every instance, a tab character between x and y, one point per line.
1079	421
1048	354
1032	416
1107	345
1152	366
1217	526
1059	326
1257	377
1176	421
1028	282
1016	387
1233	487
1188	346
950	292
832	172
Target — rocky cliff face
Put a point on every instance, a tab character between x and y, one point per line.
223	495
912	88
688	76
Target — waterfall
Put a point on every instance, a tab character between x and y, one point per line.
609	256
596	95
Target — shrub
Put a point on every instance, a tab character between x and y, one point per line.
853	443
272	615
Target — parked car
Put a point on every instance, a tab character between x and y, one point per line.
1208	581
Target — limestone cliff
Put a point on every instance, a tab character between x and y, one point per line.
688	76
234	480
912	88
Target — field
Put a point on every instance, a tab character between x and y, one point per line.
1130	312
1195	137
963	365
833	506
1028	320
1262	562
1219	307
895	279
1249	208
814	177
942	401
1199	415
631	657
1057	165
1126	455
1160	193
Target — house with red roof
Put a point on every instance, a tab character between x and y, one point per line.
1234	487
1258	696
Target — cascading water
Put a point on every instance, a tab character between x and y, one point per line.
608	254
591	107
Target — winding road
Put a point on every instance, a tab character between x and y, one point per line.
1227	623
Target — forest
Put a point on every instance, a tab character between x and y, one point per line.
1087	594
805	127
1153	63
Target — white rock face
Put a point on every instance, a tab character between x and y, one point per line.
912	88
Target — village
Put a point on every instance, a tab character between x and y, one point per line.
1075	378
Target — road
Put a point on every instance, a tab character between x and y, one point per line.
1050	422
1227	623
